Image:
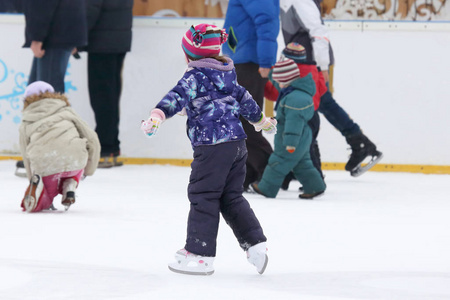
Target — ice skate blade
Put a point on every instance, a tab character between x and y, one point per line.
20	169
173	268
52	207
266	261
20	173
56	211
105	166
29	203
359	170
68	200
67	203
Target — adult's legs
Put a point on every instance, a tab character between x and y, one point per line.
51	68
105	86
314	152
337	116
259	149
360	144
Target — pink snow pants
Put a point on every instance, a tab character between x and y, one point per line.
53	186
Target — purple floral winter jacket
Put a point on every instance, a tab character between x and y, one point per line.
213	100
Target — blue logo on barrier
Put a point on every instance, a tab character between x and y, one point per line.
13	97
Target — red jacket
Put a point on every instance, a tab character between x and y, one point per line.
271	93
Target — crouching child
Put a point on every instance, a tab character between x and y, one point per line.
57	147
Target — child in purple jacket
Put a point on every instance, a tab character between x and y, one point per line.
213	101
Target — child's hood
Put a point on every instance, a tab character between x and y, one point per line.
222	75
42	109
305	84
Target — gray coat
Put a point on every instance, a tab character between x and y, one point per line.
54	139
302	23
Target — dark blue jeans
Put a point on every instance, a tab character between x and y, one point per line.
337	116
51	68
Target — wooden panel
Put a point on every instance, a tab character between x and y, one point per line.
185	8
417	10
327	6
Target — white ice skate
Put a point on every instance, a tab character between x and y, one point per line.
33	193
257	256
192	264
69	187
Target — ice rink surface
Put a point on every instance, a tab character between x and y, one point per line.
380	236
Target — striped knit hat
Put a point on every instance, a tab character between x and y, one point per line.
285	71
203	40
295	52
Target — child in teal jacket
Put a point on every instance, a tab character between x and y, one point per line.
294	109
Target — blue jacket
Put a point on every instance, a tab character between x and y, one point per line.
252	27
213	101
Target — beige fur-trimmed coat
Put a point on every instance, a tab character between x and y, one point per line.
54	139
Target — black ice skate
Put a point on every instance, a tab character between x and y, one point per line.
364	155
20	169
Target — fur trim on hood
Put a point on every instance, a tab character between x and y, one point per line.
34	98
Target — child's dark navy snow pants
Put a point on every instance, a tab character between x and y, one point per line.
216	186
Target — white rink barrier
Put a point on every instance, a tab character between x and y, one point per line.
391	77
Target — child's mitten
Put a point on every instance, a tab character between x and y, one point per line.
151	126
269	125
